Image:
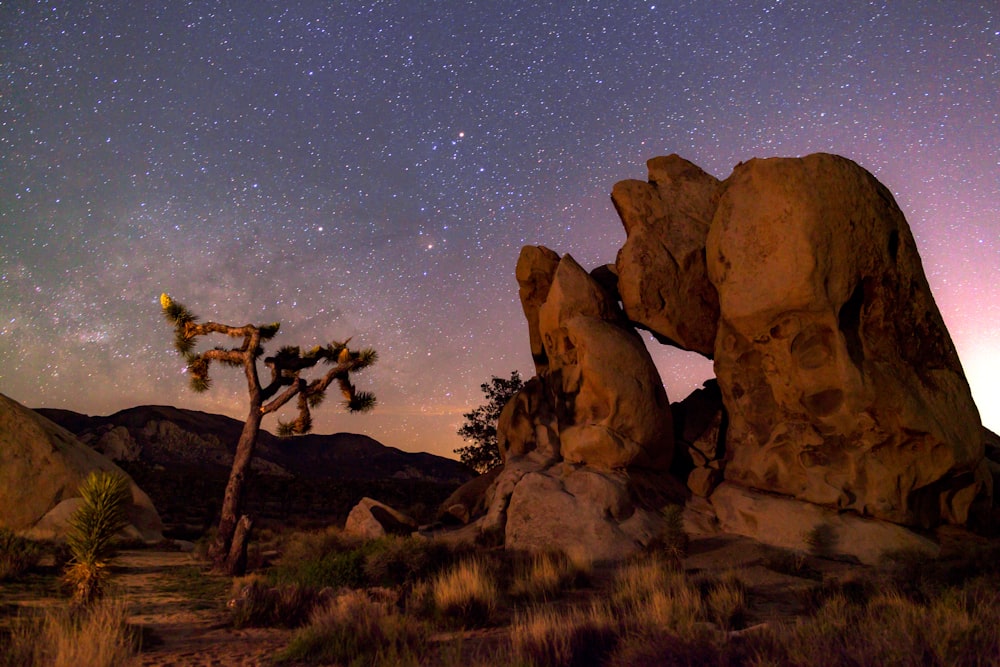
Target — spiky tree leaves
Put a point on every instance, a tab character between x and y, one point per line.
286	382
104	511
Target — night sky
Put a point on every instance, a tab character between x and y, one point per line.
373	169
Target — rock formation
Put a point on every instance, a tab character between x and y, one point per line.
841	383
661	268
596	409
41	468
840	414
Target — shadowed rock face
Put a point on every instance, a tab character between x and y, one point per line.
842	384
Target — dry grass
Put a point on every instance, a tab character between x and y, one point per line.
17	555
545	575
546	637
466	594
359	628
97	636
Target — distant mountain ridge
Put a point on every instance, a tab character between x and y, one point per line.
160	435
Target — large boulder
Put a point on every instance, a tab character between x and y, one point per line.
842	385
805	527
609	401
41	468
579	510
661	269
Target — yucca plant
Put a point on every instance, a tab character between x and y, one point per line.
104	512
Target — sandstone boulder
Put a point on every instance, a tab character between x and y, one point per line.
607	396
809	528
41	468
662	276
371	519
579	510
842	385
536	266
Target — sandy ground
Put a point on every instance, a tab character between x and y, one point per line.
176	632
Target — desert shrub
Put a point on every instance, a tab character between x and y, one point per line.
92	527
331	559
673	540
255	603
96	636
466	593
394	561
17	554
725	600
638	580
358	628
545	637
822	540
959	627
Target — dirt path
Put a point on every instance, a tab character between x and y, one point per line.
182	615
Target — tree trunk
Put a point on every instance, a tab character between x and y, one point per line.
236	561
232	504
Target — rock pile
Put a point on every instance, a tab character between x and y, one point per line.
840	399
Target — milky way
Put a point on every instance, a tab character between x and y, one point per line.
373	169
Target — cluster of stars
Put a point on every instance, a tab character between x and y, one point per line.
372	170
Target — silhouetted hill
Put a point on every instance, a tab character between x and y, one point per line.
163	436
182	459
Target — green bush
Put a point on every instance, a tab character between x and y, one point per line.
103	512
359	628
17	555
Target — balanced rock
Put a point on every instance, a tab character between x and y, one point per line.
661	269
41	468
841	383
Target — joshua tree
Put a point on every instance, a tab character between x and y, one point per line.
228	551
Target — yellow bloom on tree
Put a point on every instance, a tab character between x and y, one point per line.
165	301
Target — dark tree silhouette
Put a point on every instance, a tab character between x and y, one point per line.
480	426
228	550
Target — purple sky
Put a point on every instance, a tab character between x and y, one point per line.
373	169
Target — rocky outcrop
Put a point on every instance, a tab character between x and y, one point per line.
841	383
840	412
595	409
661	268
609	402
41	468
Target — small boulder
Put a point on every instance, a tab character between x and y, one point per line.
371	519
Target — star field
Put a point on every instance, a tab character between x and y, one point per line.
372	169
